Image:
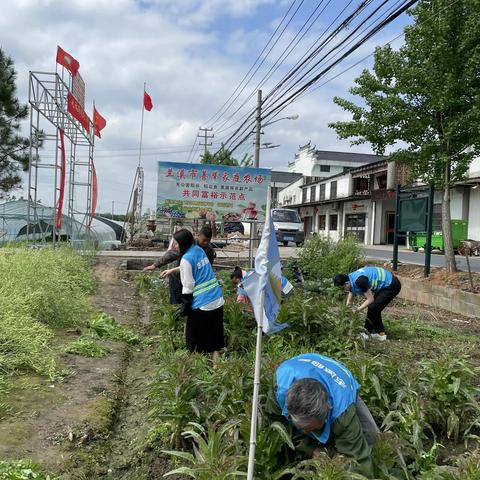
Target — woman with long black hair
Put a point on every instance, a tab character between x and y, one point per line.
202	297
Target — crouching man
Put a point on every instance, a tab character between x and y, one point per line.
320	397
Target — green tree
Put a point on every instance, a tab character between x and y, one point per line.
225	157
423	101
13	147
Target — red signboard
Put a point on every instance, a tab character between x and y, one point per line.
62	180
76	110
78	89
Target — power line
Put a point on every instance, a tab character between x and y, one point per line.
214	119
284	55
312	47
342	25
280	104
369	55
406	5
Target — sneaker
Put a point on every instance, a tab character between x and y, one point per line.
381	337
364	336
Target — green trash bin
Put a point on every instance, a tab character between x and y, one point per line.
459	233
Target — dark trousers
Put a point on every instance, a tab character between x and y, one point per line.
373	322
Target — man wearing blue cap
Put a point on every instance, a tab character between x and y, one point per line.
320	397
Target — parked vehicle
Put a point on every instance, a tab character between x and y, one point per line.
288	226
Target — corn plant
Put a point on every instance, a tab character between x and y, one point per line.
322	468
407	417
448	382
216	454
239	327
176	392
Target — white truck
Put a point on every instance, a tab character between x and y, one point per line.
288	226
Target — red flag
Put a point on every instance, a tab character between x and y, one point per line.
147	101
62	181
65	59
99	122
94	194
76	110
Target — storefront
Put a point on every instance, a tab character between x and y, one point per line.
356	220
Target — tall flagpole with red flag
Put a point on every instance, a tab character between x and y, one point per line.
141	127
146	104
136	195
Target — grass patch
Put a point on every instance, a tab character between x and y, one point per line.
87	347
40	291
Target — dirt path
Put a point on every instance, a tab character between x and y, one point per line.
74	426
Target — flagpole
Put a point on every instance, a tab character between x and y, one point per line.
256	378
141	128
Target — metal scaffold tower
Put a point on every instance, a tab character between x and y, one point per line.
53	133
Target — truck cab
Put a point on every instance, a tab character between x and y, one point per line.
288	226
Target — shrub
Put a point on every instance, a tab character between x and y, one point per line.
321	258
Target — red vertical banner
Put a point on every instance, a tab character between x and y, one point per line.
62	180
94	194
77	112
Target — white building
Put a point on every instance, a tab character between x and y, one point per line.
358	202
311	162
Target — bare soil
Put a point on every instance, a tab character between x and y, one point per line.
439	276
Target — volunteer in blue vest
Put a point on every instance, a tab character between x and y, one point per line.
202	297
320	397
238	275
379	286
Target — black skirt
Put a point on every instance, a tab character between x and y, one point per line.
204	332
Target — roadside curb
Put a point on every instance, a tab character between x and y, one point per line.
451	299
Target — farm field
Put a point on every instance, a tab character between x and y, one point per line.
129	402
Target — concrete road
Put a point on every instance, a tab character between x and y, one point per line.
382	252
377	252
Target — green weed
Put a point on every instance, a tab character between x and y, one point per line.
22	470
105	326
87	347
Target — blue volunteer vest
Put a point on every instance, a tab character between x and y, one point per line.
207	289
378	278
339	383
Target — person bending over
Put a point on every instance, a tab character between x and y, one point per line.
379	286
320	397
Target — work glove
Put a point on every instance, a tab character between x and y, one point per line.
186	307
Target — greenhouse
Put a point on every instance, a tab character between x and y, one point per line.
14	224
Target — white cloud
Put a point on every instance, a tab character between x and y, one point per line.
191	53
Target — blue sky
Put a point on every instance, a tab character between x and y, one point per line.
191	53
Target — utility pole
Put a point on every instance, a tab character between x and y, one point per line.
258	129
113	208
206	137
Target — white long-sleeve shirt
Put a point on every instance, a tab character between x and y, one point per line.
188	284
